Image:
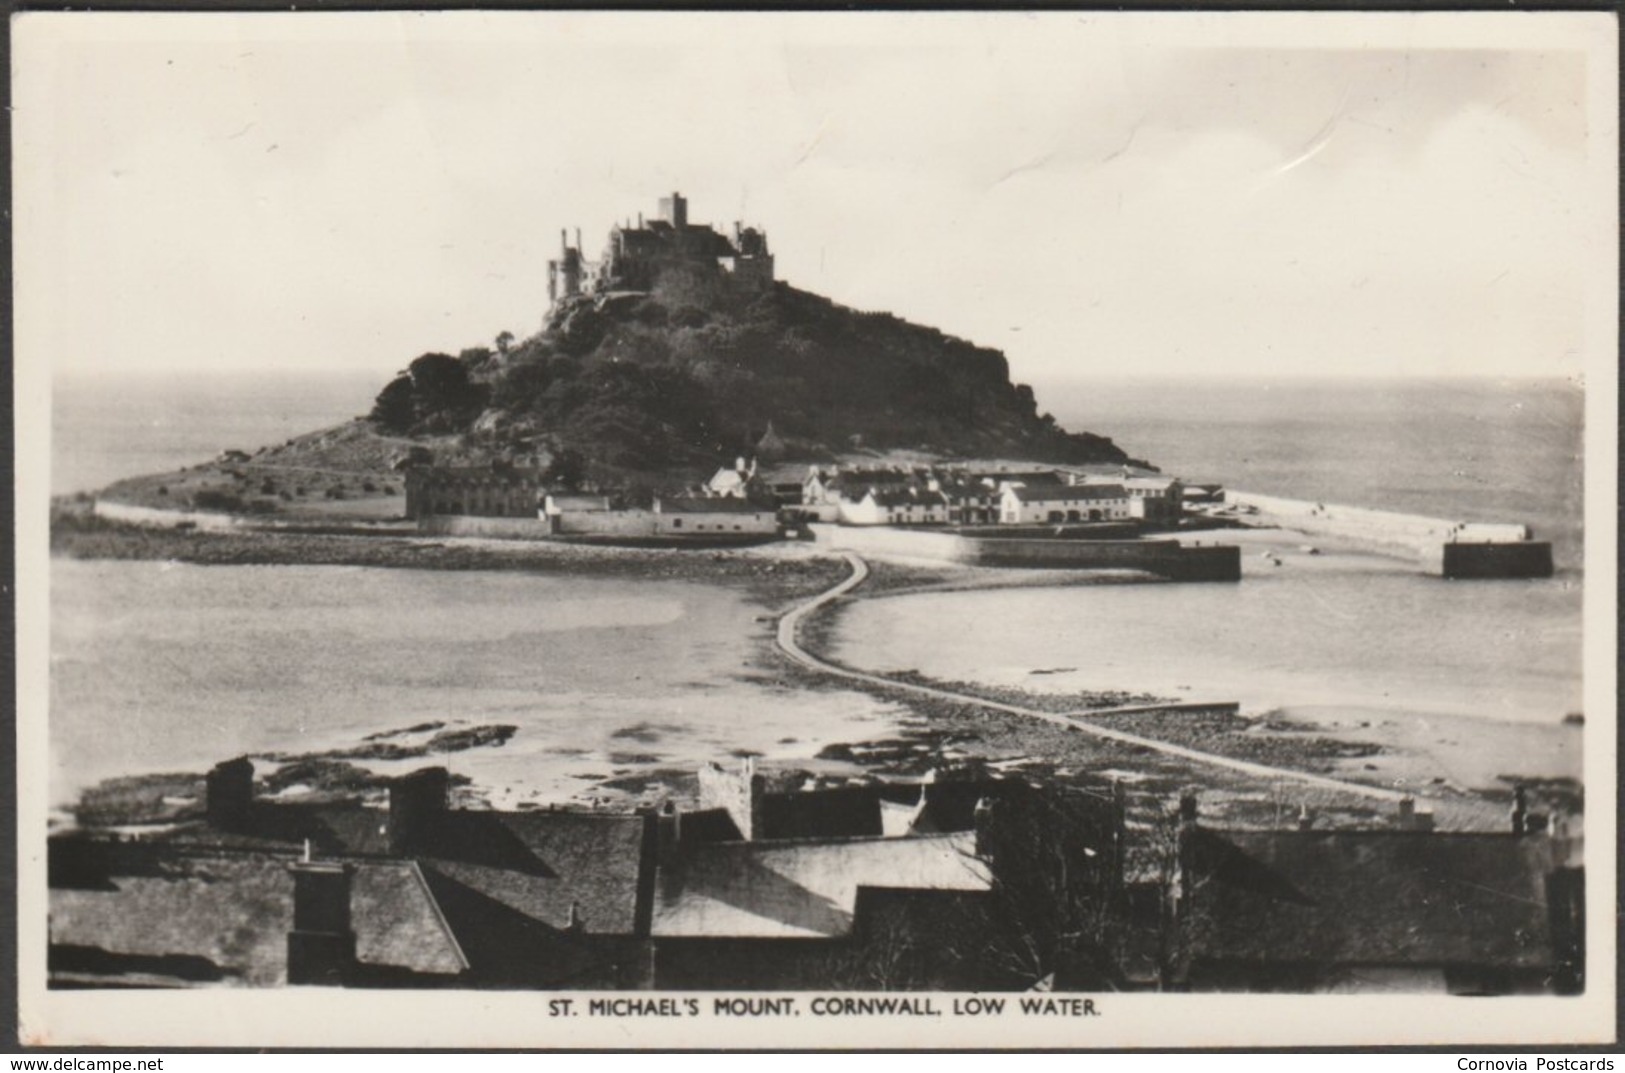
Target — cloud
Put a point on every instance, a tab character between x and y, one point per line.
273	192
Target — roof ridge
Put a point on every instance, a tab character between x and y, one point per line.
439	916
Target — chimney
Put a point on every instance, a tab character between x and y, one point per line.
1412	820
739	795
668	834
321	946
755	786
578	238
415	801
1187	809
564	240
982	820
229	794
1520	811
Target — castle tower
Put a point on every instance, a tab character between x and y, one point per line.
564	274
674	210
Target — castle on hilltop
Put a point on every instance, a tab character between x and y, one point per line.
636	256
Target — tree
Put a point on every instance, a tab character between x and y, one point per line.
443	395
504	342
395	409
566	469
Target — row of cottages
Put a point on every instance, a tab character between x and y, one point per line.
978	884
482	491
1025	504
930	496
1150	500
902	497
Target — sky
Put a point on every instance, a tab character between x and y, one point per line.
1096	194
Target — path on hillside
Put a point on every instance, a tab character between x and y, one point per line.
789	643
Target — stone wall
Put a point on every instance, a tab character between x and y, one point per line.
1163	557
1379	530
622	523
1442	547
469	525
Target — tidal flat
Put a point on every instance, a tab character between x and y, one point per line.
610	674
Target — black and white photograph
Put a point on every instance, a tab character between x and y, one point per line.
908	529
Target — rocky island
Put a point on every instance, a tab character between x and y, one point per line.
677	349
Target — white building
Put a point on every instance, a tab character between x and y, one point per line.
1159	500
727	516
1051	504
895	506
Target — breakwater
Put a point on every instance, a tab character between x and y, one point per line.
1165	558
1440	546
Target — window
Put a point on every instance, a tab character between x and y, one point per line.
677	523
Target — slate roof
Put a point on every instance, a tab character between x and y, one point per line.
541	863
703	505
536	862
843	812
1393	898
765	890
559	502
1066	493
1041	476
905	497
211	917
785	473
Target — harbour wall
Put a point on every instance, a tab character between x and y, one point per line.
1531	558
1163	557
470	525
640	536
1443	547
220	522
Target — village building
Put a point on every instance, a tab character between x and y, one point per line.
1051	504
894	505
909	884
1399	909
637	256
969	502
1155	500
494	491
1000	479
421	894
732	480
571	514
678	516
266	892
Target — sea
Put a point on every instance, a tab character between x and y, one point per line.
162	666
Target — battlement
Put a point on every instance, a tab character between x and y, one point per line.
637	254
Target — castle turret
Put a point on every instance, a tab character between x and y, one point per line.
564	274
674	210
